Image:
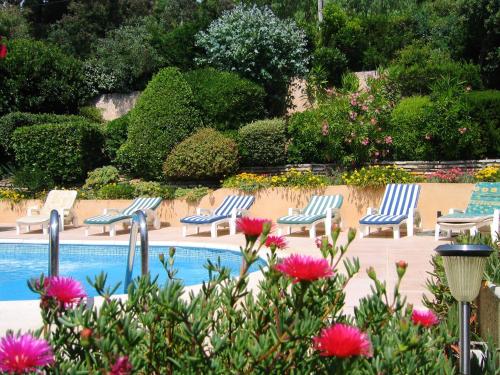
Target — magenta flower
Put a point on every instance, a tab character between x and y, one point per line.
425	318
251	227
276	242
388	139
342	340
122	366
305	268
365	141
66	290
354	102
22	354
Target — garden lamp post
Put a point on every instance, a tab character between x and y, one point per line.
464	267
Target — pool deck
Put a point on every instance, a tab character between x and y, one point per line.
379	251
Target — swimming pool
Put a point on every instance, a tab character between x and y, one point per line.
20	262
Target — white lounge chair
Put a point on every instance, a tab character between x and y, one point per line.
113	216
398	208
60	200
320	209
232	207
483	210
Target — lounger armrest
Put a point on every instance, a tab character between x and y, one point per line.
111	211
33	210
239	212
372	211
203	211
294	211
332	212
456	211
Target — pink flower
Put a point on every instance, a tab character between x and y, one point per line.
276	242
388	139
22	354
65	290
122	366
324	128
342	340
425	318
365	141
373	121
354	102
462	130
305	268
364	108
251	227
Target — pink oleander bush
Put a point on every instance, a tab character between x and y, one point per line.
455	174
294	323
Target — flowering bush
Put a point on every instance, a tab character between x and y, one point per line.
377	176
294	322
450	175
491	174
13	196
293	178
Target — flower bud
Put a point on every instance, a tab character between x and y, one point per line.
371	273
171	251
401	268
266	228
351	235
85	333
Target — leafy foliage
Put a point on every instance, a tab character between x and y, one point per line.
115	135
255	43
100	177
38	77
13	23
65	152
378	176
163	116
263	142
207	154
225	100
226	327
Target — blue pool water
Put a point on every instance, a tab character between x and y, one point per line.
24	261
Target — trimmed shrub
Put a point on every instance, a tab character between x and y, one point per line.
115	136
91	113
66	152
419	66
484	108
152	189
263	143
10	122
39	77
225	100
116	191
101	176
207	154
163	116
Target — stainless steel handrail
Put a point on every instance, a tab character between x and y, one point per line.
54	223
139	225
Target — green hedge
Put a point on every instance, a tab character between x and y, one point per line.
10	122
207	154
39	77
115	135
164	115
484	108
66	152
263	143
225	100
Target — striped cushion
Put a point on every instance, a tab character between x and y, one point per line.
243	202
137	204
382	219
315	210
201	219
396	204
463	218
234	201
106	219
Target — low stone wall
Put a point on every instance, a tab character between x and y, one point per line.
113	106
273	203
417	167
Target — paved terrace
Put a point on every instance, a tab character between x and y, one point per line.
379	251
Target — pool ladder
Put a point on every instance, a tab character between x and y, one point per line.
54	243
139	226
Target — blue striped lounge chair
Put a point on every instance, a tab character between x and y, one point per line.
113	216
232	207
399	207
483	210
320	209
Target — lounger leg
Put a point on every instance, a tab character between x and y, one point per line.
18	229
157	221
112	230
395	229
28	227
232	227
197	230
361	231
436	232
103	229
213	231
44	229
409	229
289	229
87	231
449	234
74	222
184	231
312	231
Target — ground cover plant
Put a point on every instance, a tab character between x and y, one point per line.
293	323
